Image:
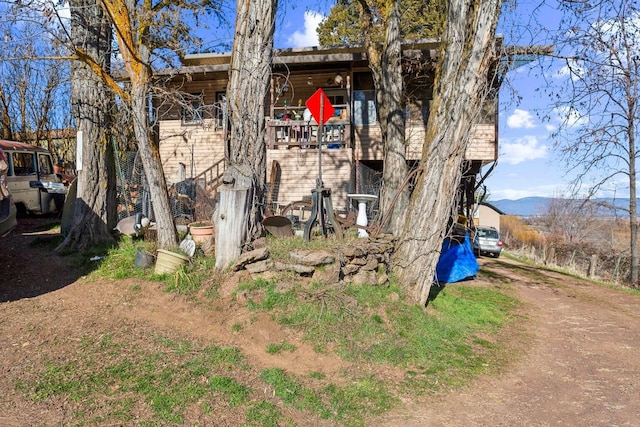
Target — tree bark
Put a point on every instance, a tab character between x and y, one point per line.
249	78
466	57
149	152
386	68
633	200
92	102
135	38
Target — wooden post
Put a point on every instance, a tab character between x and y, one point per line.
551	256
231	218
593	266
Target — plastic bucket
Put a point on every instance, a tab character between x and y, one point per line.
168	262
144	259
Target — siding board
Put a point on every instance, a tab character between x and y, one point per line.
196	147
300	169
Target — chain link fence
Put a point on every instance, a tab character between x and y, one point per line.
188	200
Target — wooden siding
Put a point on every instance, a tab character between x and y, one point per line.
483	145
368	142
207	89
299	170
180	143
368	145
415	135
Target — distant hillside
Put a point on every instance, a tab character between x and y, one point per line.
532	206
527	206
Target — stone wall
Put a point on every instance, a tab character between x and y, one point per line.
364	261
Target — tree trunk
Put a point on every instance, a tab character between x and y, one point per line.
134	38
167	234
92	102
5	117
466	57
249	78
233	214
633	203
386	68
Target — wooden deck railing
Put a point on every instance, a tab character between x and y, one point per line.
288	128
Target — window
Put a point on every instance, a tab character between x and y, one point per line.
364	107
23	164
46	167
221	109
192	109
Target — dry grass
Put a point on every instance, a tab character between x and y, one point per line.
603	241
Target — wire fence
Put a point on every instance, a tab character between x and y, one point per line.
188	200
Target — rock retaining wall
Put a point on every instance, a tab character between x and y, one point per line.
365	261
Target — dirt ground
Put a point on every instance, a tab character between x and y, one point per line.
580	363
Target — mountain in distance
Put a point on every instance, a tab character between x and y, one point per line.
533	206
527	206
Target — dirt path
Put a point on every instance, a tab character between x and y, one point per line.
581	365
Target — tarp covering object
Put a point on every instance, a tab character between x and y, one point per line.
457	261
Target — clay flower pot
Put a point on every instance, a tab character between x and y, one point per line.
201	231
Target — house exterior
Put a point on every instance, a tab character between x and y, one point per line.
192	134
487	215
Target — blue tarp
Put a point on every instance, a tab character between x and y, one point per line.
457	261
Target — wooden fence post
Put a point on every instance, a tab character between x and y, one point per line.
593	266
232	215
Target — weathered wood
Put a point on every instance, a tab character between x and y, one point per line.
231	218
386	67
593	266
249	78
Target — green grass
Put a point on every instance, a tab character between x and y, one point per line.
265	296
167	380
49	242
455	339
349	404
118	262
364	325
264	414
277	348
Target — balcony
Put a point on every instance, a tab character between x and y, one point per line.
289	128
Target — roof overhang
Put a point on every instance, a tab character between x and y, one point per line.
206	63
517	56
311	55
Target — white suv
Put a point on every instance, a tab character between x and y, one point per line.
487	242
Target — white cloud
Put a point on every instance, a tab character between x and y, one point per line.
573	70
520	119
64	11
562	72
309	36
550	128
521	150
